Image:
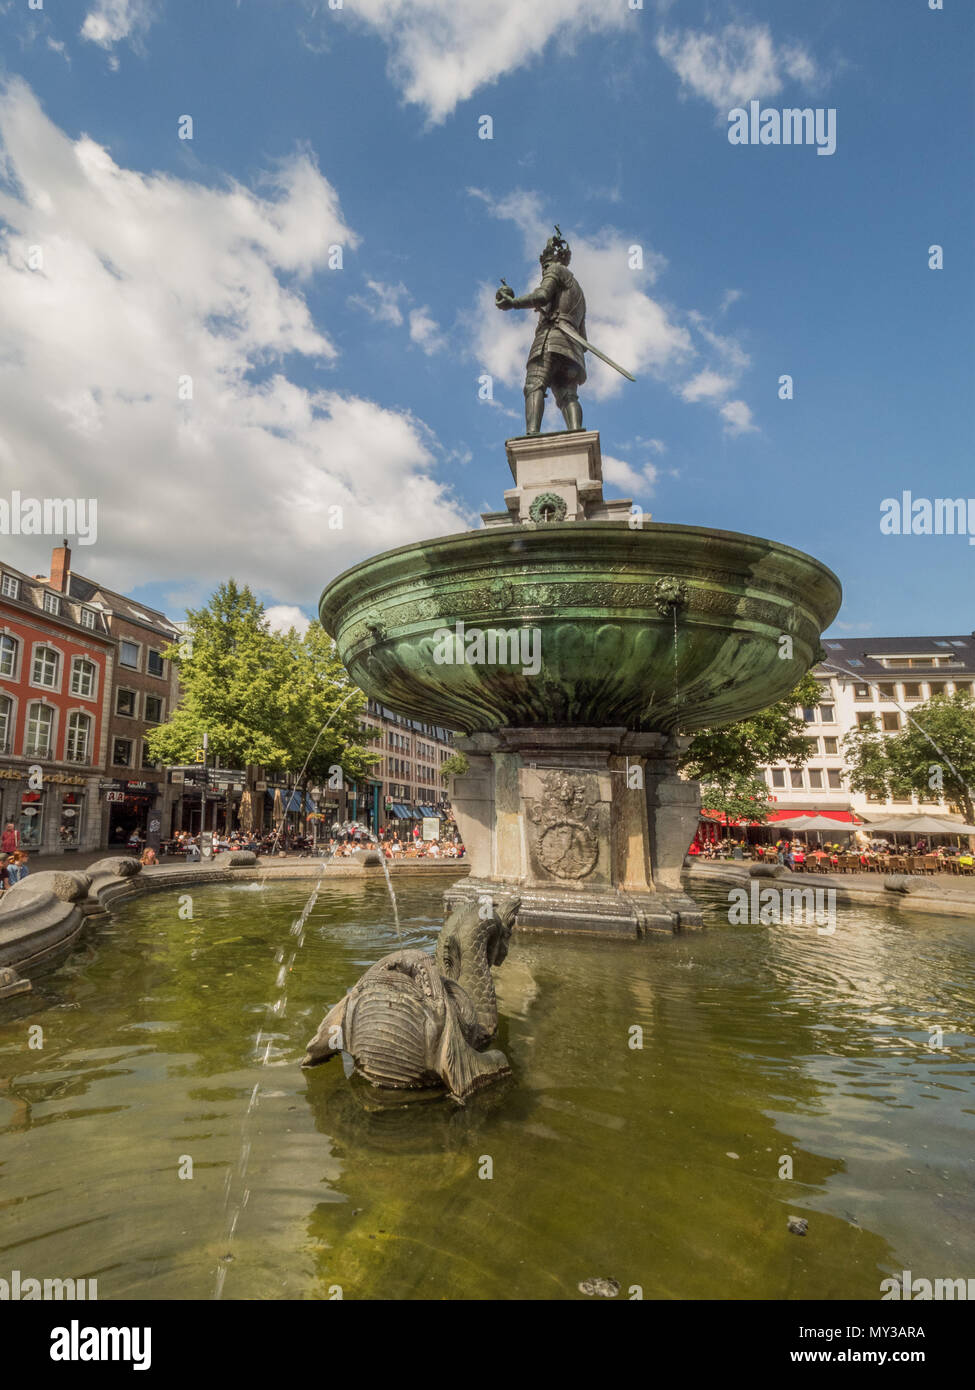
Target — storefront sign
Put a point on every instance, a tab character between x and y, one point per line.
115	796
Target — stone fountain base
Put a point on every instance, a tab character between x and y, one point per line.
591	825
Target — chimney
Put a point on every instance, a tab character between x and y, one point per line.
60	567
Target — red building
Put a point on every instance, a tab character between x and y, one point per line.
56	672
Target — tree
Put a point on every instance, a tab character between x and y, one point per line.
727	761
934	756
262	696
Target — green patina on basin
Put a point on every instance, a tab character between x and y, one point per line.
749	614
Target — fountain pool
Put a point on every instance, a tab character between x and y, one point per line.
656	1166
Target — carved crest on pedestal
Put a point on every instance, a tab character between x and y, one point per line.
565	839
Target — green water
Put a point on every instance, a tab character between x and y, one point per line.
170	1038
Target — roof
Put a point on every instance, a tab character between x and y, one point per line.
862	655
96	595
31	600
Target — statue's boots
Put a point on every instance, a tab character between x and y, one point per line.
534	407
572	415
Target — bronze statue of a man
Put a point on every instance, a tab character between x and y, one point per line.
557	360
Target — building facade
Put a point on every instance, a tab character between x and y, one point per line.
406	785
136	791
866	681
57	662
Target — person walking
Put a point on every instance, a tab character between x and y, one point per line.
10	839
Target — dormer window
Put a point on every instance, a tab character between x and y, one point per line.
52	602
10	586
87	617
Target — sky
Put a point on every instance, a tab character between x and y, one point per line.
237	330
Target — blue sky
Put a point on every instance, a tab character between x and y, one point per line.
358	387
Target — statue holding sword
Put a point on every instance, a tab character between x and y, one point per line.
556	361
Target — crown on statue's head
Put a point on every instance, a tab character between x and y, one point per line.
556	249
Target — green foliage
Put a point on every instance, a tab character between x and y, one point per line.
262	696
456	765
727	760
940	761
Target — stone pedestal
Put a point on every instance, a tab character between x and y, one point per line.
591	825
558	477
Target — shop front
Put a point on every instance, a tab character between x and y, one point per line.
49	811
130	806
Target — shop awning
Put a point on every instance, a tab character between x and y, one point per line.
291	801
431	811
842	817
399	812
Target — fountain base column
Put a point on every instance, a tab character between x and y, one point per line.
589	824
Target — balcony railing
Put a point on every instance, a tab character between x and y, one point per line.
76	755
36	750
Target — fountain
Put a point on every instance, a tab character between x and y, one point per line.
573	644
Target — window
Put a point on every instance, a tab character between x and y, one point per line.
147	759
833	777
887	691
156	665
778	777
154	707
964	686
955	642
813	746
861	692
912	691
830	746
79	734
83	678
52	602
40	728
46	667
87	617
854	662
865	720
125	703
892	723
942	644
937	688
796	777
6	722
10	587
129	654
122	752
815	777
809	714
827	713
72	809
9	647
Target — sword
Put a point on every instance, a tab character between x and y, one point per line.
571	333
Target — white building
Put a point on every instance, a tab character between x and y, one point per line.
869	680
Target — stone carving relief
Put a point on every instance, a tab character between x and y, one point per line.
565	836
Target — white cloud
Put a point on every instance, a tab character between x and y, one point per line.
737	417
622	475
384	306
425	331
707	385
442	51
110	21
739	63
147	279
283	616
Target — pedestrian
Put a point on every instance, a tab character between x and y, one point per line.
3	873
10	839
17	869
